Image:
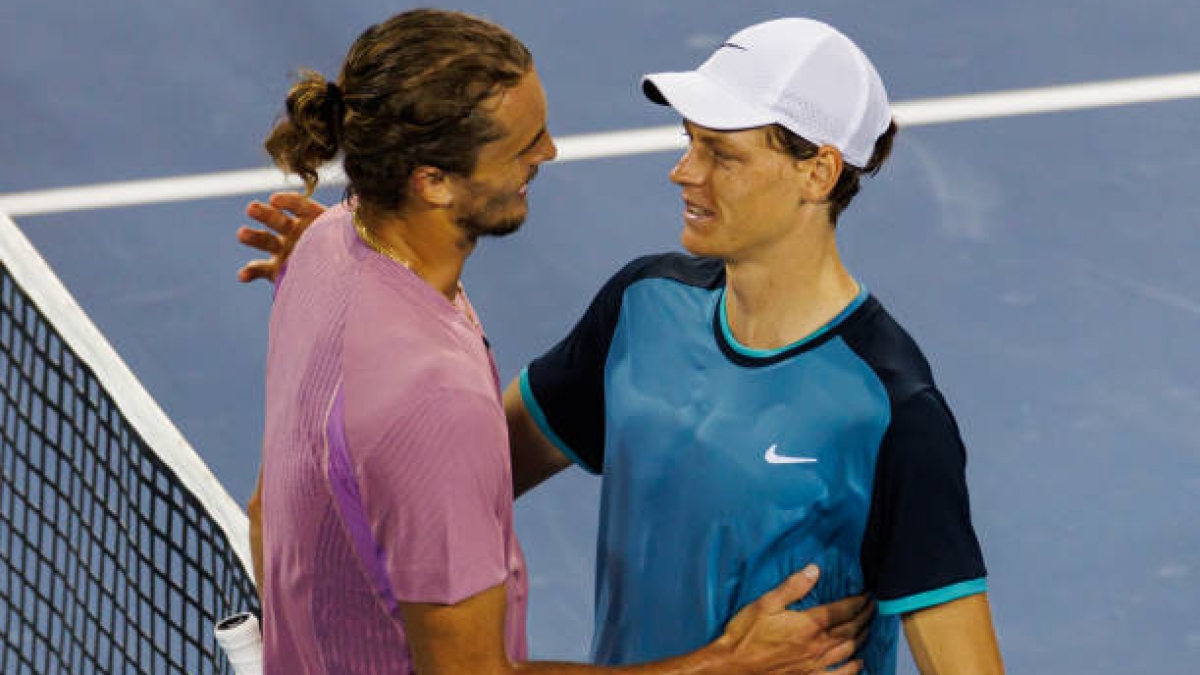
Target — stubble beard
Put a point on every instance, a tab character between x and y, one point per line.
485	221
478	224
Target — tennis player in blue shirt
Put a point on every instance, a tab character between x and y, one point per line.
752	407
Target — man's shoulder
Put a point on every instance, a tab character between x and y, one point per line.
320	259
888	348
707	274
686	269
325	234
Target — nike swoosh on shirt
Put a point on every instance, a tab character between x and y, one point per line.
773	457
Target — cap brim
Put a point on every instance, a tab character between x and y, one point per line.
701	101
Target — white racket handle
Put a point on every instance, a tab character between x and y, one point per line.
240	637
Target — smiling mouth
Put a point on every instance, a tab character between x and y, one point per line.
693	213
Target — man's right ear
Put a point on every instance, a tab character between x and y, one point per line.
432	185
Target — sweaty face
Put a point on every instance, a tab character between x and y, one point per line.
492	200
739	193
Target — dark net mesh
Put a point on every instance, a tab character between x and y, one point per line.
107	563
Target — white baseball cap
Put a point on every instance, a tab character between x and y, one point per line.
799	73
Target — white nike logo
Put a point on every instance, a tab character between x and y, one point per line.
776	458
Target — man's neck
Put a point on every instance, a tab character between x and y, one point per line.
428	243
787	292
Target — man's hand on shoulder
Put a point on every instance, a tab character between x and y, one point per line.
286	216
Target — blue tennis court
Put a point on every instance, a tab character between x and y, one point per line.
1045	262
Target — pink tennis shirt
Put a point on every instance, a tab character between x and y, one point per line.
386	474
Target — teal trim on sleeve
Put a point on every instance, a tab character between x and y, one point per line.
768	353
932	598
539	418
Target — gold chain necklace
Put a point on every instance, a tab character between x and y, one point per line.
386	251
375	244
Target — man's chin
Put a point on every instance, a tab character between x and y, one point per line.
494	228
499	228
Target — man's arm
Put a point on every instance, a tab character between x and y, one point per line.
954	638
534	457
286	217
764	638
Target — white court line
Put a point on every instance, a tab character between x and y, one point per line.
616	144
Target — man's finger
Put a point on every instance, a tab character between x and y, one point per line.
297	204
274	218
792	589
856	626
837	613
839	653
258	269
267	242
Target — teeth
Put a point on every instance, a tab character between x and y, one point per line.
697	211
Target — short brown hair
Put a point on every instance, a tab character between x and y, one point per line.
848	183
409	95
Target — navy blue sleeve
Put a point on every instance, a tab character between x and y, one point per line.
564	388
920	548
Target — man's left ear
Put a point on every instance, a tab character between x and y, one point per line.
432	185
821	172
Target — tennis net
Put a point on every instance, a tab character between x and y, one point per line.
118	548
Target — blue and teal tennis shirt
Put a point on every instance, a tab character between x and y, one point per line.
726	469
